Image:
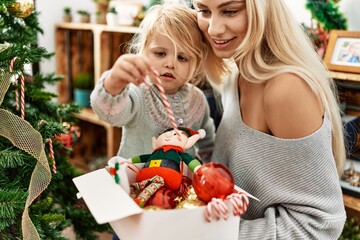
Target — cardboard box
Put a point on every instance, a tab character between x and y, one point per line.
109	203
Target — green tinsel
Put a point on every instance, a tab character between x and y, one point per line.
326	13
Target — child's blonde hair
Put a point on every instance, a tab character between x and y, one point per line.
179	23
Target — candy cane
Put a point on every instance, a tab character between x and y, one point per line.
51	150
165	100
12	62
216	208
22	90
52	156
239	202
22	96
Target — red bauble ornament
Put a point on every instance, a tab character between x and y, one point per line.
185	184
70	138
164	198
213	180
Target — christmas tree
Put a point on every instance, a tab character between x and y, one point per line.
37	195
327	13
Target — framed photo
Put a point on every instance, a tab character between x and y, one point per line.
343	51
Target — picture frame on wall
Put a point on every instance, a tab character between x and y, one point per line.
343	51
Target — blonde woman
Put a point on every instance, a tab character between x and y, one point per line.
281	132
170	42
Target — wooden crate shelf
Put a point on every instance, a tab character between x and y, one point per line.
113	134
352	206
345	76
92	48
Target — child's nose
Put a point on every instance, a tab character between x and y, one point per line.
169	63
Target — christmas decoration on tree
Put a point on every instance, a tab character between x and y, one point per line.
21	8
328	16
37	196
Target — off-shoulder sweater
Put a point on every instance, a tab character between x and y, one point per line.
141	114
295	179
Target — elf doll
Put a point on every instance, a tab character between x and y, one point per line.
163	166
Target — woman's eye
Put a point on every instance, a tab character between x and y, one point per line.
204	12
229	12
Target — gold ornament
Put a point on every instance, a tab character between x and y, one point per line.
190	204
153	208
190	193
21	8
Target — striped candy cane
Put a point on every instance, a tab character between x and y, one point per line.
165	100
239	202
22	96
217	209
22	90
12	62
51	150
52	155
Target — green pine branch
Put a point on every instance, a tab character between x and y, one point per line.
57	207
327	13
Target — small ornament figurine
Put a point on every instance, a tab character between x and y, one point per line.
69	138
21	8
163	166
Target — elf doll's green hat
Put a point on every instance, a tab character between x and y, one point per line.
189	132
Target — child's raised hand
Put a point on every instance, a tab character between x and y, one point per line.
128	68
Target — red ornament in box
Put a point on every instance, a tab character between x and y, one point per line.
185	184
164	198
70	138
213	180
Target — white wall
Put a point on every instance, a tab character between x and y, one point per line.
51	13
350	8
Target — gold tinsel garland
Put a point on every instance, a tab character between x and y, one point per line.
25	137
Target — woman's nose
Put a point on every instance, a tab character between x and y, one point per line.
216	27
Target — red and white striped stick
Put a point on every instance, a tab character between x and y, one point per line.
52	156
22	90
22	96
165	100
12	62
216	208
239	202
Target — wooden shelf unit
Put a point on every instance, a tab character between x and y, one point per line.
87	47
354	77
352	206
92	48
349	90
352	203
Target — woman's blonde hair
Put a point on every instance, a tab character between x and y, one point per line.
276	43
179	23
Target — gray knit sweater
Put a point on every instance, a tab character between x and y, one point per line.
141	114
295	179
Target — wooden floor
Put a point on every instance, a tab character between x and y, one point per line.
86	165
68	233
